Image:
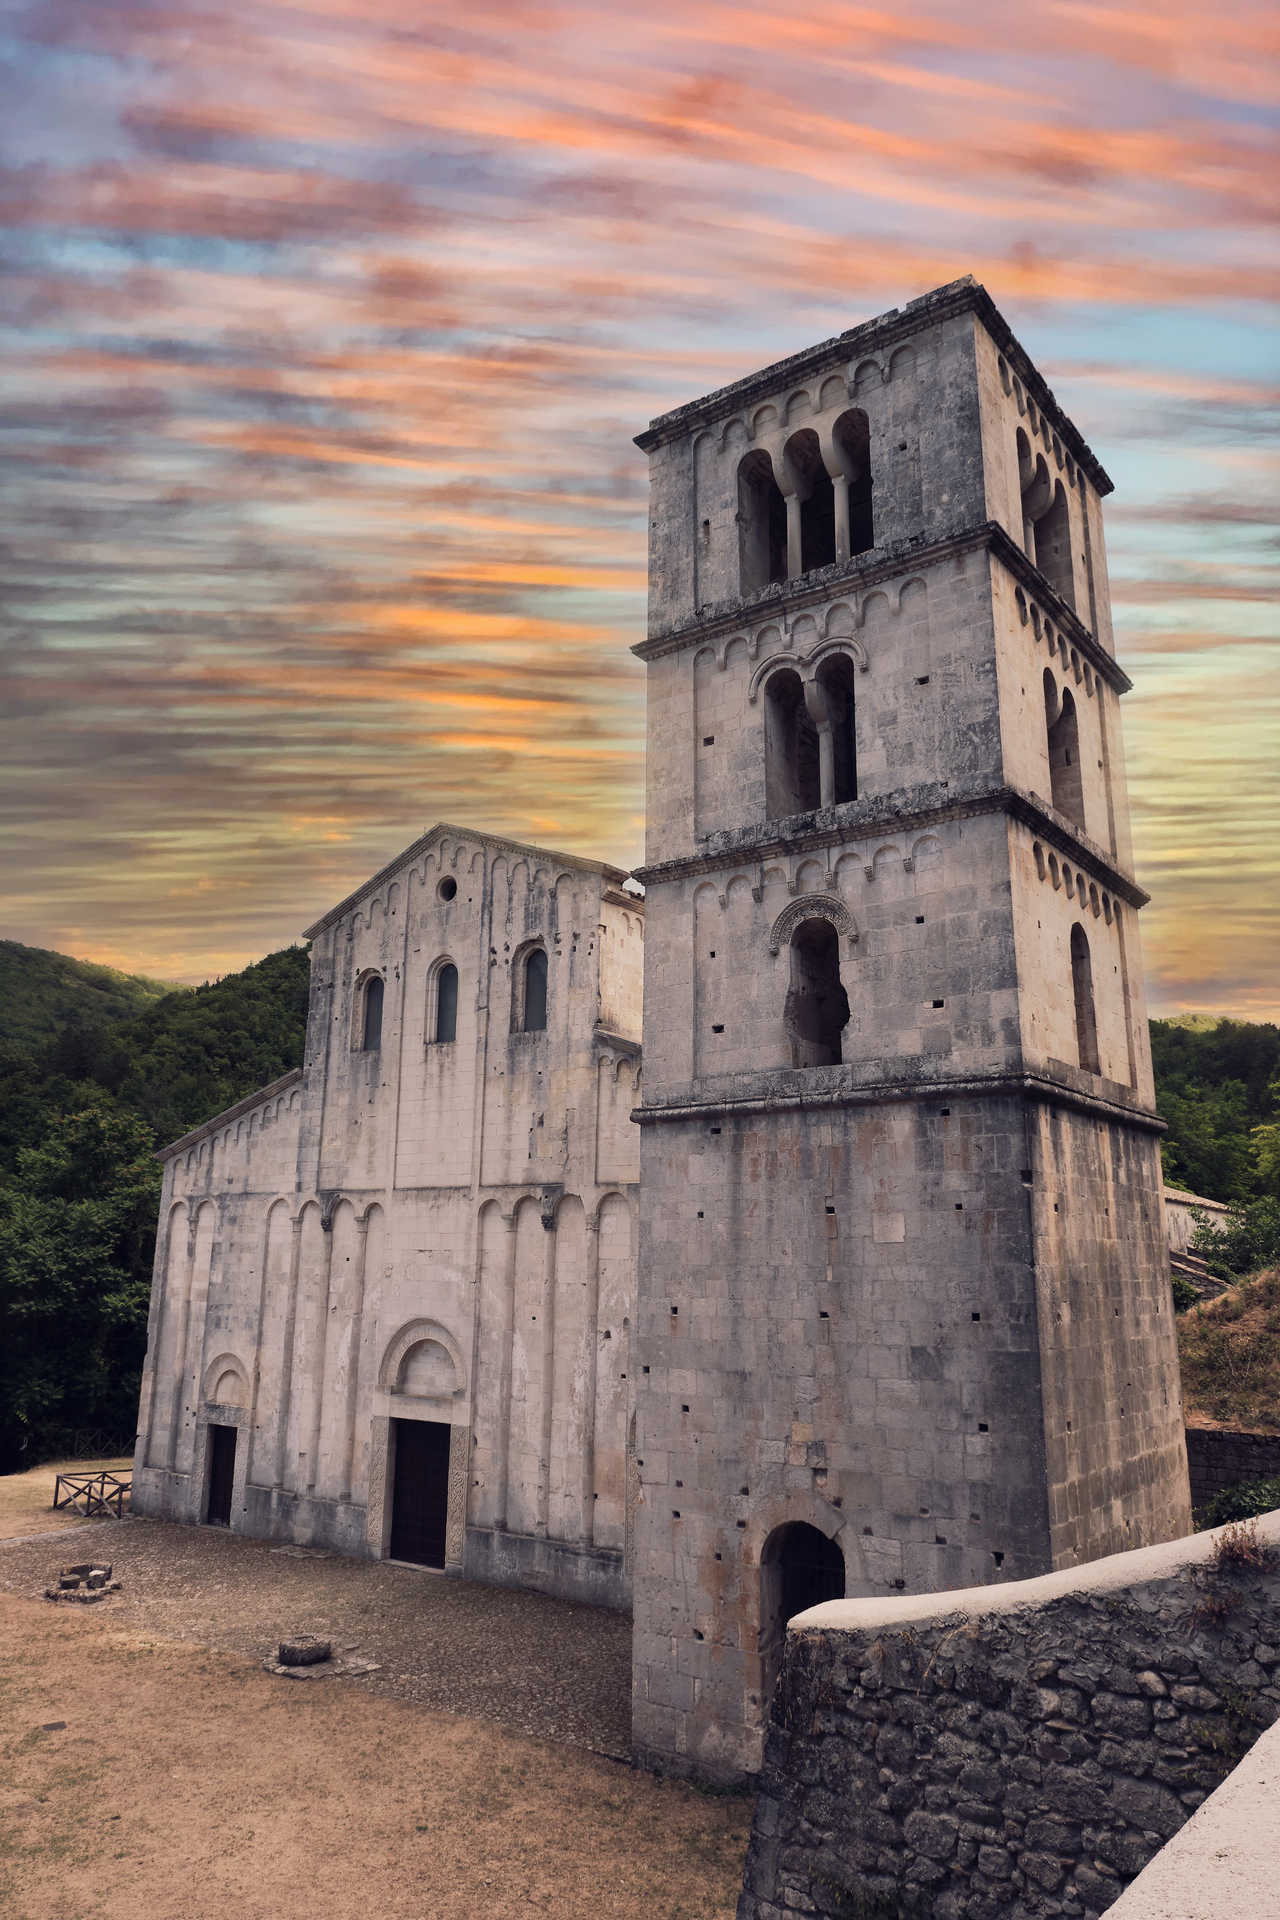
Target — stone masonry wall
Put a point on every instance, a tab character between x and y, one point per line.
1218	1460
1010	1753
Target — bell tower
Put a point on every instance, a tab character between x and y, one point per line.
903	1314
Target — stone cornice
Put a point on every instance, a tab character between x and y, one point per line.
229	1114
994	1086
789	597
888	329
916	809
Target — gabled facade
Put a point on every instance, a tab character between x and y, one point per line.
401	1279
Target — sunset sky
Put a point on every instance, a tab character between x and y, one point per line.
329	323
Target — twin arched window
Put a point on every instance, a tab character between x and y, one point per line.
810	743
1062	727
1046	521
810	510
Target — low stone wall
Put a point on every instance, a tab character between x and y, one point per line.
1012	1752
1222	1866
1218	1460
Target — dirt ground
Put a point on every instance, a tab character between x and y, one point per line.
152	1768
26	1499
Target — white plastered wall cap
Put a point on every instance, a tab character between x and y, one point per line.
1116	1572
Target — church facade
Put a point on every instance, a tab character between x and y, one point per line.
880	1298
393	1291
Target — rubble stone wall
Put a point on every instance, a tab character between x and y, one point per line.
1015	1753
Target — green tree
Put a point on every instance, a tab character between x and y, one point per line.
77	1229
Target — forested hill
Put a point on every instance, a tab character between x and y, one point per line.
41	992
1218	1086
88	1090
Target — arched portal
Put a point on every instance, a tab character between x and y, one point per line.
799	1567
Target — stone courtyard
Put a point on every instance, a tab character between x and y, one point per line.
542	1667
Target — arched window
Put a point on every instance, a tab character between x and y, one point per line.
534	998
762	524
1082	993
1053	546
447	1002
839	756
1062	728
792	775
1037	495
816	1011
811	483
851	437
371	1023
799	1568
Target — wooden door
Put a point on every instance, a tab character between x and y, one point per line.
420	1491
222	1475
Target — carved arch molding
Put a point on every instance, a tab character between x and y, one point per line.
421	1333
812	906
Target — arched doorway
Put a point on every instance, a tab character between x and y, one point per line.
799	1567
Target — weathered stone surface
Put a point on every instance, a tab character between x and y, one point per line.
1063	1844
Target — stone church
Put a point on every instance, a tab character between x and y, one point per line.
866	1288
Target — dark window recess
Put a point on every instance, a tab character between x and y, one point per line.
447	1003
717	1029
535	991
371	1031
420	1491
222	1475
708	740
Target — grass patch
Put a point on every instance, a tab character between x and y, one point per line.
1230	1354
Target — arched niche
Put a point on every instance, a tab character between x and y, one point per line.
226	1382
423	1362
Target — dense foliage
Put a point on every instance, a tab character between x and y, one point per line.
1244	1502
82	1110
1218	1086
42	991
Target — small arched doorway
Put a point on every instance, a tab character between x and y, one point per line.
799	1567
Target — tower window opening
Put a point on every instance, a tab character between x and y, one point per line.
762	524
815	495
793	782
1082	993
1062	727
816	1011
447	1002
1053	546
1046	521
533	1013
371	1023
836	687
851	440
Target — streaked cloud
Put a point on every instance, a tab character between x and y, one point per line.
329	325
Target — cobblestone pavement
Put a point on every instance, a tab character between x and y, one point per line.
545	1667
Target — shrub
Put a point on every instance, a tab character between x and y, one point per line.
1244	1502
1184	1294
1238	1549
1249	1241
